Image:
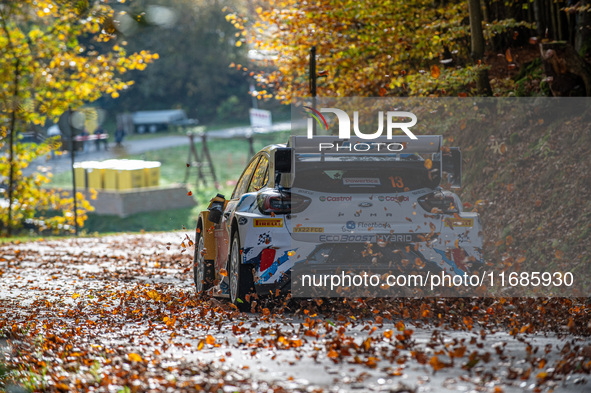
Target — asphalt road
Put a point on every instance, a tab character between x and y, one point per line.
126	306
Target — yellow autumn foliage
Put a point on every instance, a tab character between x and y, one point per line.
55	55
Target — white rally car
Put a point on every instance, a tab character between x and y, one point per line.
294	205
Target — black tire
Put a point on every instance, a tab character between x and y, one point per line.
203	273
241	281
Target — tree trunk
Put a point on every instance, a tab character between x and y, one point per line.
11	139
583	30
486	15
560	32
553	20
538	15
530	14
477	40
483	84
477	37
11	147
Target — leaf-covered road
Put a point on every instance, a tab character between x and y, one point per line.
119	313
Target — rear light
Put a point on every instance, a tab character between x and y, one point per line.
267	258
439	202
282	202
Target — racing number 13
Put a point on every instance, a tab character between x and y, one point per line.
396	181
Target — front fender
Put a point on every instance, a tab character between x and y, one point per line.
208	233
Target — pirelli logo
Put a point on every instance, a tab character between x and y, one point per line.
268	222
308	229
459	222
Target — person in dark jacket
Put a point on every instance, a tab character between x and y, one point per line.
119	134
101	132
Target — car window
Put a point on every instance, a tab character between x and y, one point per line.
265	178
359	177
245	178
259	180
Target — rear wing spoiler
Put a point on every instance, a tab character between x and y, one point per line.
448	161
395	144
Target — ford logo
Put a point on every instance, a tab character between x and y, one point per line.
365	204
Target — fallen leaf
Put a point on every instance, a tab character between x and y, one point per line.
435	72
134	357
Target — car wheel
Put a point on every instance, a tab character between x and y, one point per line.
241	281
202	269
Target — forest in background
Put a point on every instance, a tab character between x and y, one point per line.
213	52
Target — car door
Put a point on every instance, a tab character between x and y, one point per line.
223	231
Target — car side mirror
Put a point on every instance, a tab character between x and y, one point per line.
216	208
452	164
283	157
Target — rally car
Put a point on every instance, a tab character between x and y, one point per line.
294	204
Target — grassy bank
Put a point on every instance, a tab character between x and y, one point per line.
527	174
164	220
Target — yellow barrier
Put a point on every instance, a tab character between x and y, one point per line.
117	174
152	174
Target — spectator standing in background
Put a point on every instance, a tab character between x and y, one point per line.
100	132
119	134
